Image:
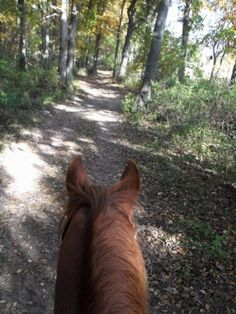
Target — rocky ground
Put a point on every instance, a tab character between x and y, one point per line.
187	227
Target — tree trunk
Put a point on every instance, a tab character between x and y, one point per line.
215	56
72	44
233	76
126	48
153	56
53	37
213	69
221	61
2	42
45	44
22	43
96	55
45	37
118	37
184	41
86	61
100	12
87	55
63	41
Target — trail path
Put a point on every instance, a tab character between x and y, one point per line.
32	197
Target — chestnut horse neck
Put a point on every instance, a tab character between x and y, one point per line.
101	269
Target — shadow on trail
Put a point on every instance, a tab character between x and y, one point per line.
181	278
27	268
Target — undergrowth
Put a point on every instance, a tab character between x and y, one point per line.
201	236
22	91
199	119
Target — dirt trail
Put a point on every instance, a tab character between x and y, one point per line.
32	171
32	187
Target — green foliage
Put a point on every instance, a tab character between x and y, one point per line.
201	236
196	101
132	79
170	57
128	103
200	120
134	117
22	90
202	230
107	57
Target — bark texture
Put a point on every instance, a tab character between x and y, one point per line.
71	44
22	43
184	40
63	41
100	11
118	37
126	48
153	56
45	27
233	75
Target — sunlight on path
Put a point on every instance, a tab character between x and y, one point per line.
32	189
92	114
23	166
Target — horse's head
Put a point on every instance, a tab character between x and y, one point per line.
82	189
101	268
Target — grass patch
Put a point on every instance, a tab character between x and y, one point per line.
202	237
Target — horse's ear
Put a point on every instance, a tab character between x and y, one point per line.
130	180
76	177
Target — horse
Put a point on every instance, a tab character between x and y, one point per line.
101	269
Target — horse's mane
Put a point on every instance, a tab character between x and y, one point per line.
114	278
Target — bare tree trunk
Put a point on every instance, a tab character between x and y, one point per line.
96	55
213	69
71	44
184	41
221	61
45	36
45	45
153	55
87	56
2	42
215	56
22	43
63	41
233	76
118	37
54	37
126	47
101	9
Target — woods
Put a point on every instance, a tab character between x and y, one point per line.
118	36
45	44
153	81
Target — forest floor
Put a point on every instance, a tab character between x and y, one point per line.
186	227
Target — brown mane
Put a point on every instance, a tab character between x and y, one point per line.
101	268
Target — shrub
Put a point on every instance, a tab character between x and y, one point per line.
18	90
128	103
200	118
197	102
201	236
